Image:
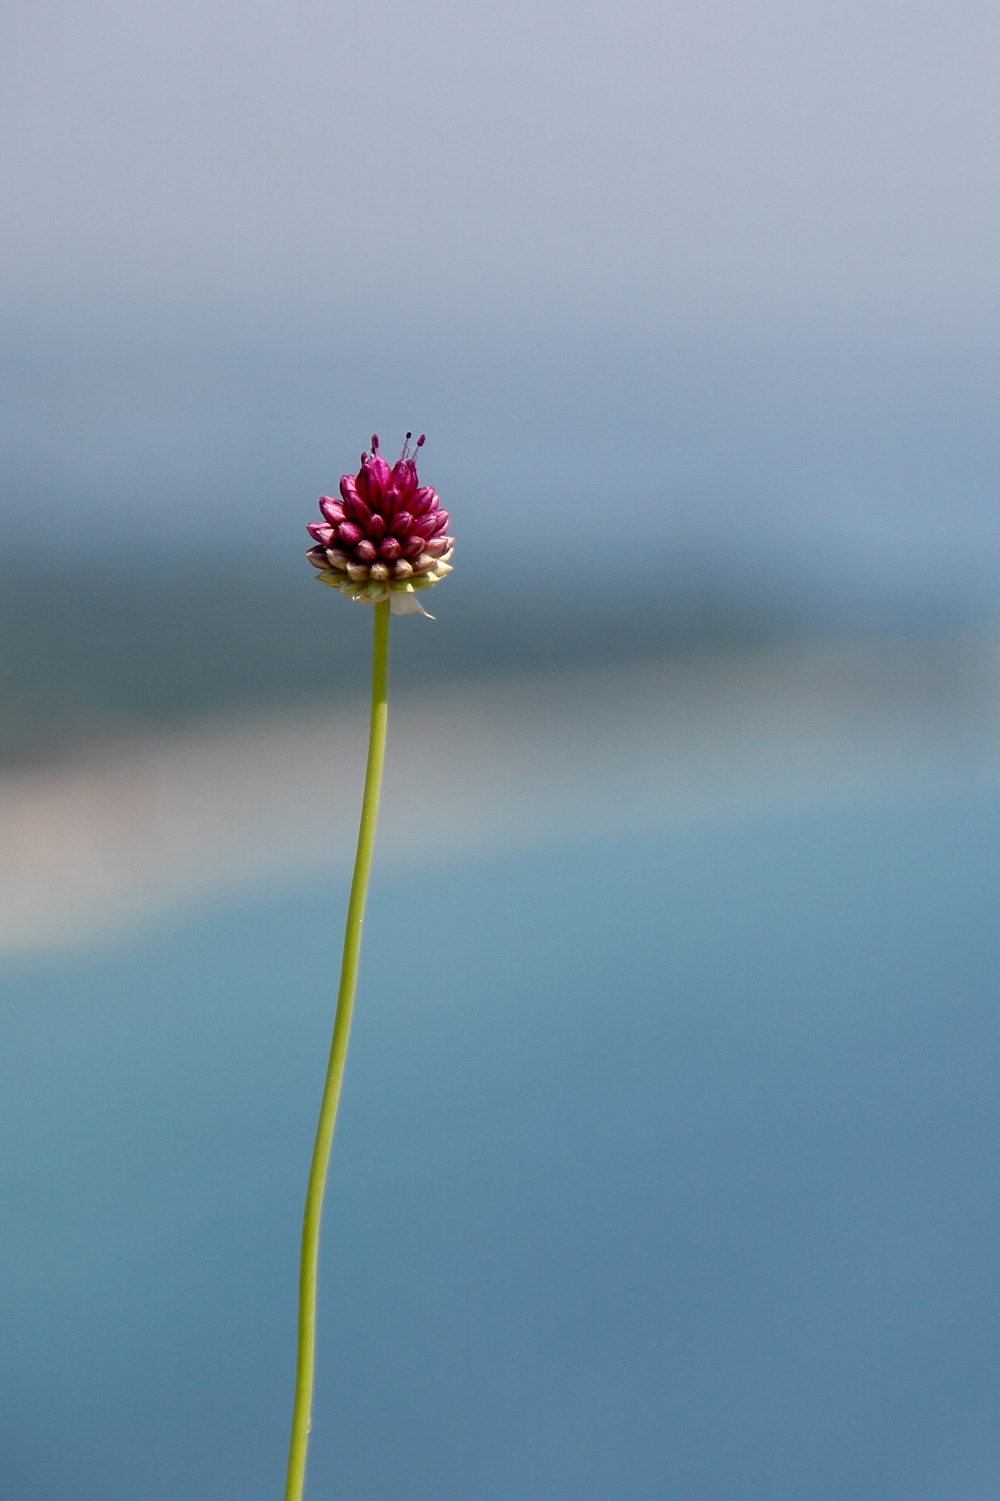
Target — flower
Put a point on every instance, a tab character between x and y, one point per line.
386	537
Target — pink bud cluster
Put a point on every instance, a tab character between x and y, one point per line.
386	537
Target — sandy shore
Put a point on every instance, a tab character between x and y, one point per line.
142	826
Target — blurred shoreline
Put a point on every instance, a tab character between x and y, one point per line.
142	824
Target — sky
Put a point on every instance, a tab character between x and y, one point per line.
736	262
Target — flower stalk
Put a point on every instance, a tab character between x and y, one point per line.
309	1262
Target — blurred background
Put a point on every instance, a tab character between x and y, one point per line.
668	1158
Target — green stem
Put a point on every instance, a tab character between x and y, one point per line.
302	1416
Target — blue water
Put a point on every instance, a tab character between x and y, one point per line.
667	1169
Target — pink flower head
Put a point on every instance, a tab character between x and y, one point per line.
386	537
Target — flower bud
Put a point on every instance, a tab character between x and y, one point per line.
386	537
